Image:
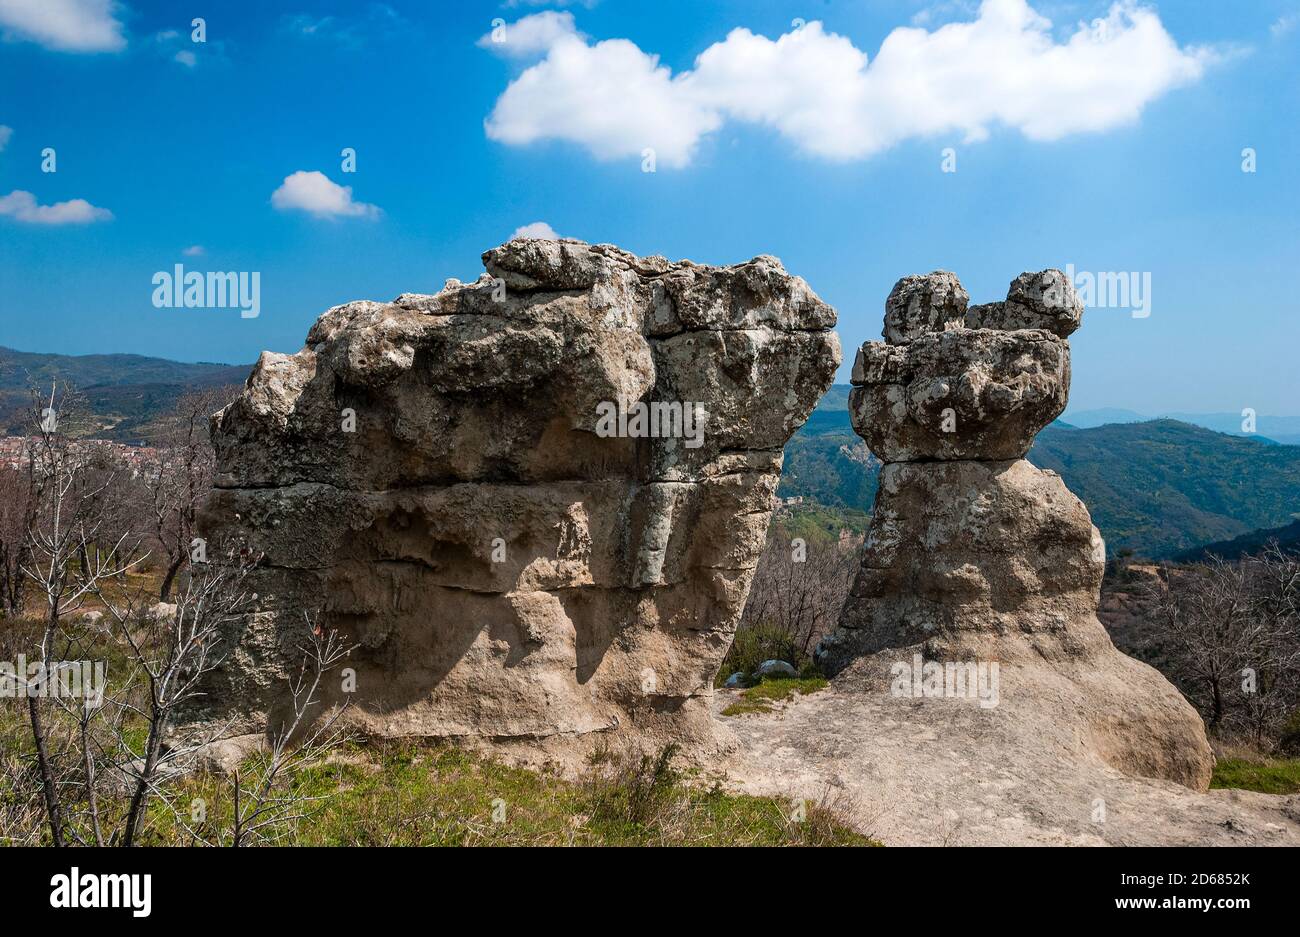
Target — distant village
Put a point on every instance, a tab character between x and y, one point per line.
140	461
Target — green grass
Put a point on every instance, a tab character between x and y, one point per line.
745	707
1268	777
414	794
755	644
411	793
424	794
759	699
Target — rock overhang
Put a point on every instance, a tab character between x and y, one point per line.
432	474
973	555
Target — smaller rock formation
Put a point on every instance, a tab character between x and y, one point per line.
974	556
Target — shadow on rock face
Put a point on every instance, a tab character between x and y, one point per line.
533	502
974	556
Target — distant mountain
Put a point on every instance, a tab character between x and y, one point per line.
829	463
1161	487
1288	538
1279	429
124	393
1157	488
1087	419
837	398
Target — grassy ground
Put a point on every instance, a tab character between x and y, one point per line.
409	794
413	794
1270	776
755	644
759	699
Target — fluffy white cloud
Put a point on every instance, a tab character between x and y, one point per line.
610	97
313	192
1284	25
532	35
66	25
821	93
195	250
5	134
538	229
22	206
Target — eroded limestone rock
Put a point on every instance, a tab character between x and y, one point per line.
434	475
1045	300
963	394
974	556
918	305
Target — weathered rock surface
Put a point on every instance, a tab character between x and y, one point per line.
434	474
964	394
926	772
974	556
918	305
1045	300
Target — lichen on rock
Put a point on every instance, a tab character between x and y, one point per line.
973	555
432	474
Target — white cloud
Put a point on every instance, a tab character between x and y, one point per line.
179	47
379	22
1284	25
610	97
22	206
6	133
538	229
65	25
313	192
820	92
196	250
945	10
531	35
304	24
550	3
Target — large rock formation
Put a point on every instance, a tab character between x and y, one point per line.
974	556
448	479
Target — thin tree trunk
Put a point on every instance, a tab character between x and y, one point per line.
83	557
89	765
170	578
146	778
53	811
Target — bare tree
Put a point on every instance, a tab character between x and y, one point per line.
16	509
173	648
169	650
798	590
66	516
76	546
262	806
1206	612
184	476
1274	658
1234	630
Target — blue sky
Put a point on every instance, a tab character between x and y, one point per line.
1108	158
